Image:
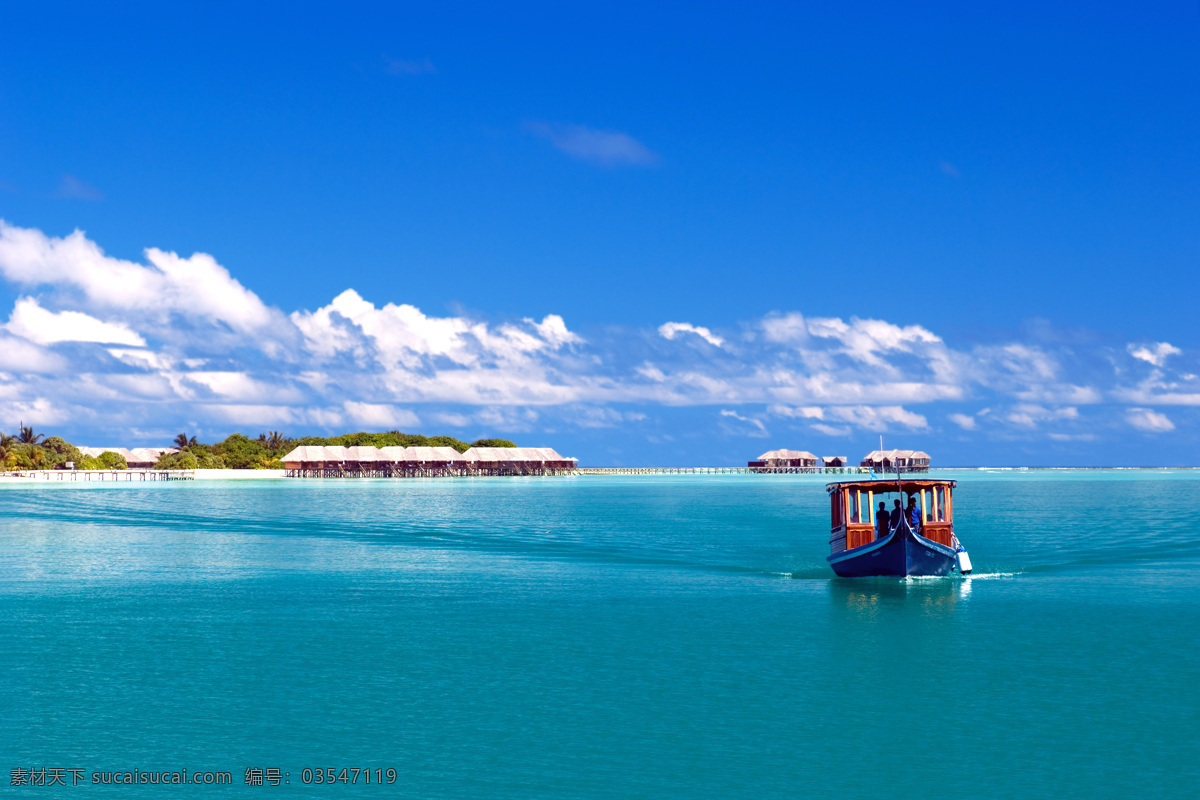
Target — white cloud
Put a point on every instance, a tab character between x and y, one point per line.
877	418
179	339
964	421
869	418
669	330
759	428
30	321
1158	388
404	336
553	329
651	372
196	287
142	359
785	328
1013	366
255	414
507	419
1155	354
232	385
805	412
1149	421
866	339
451	418
596	417
1028	415
605	148
380	415
1060	393
20	355
38	411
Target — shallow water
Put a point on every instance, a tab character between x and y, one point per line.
648	636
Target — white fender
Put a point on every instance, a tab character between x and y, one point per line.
963	560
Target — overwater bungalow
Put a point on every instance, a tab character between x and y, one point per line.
136	457
308	461
903	461
835	461
784	461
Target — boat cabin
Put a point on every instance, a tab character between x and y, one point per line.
853	504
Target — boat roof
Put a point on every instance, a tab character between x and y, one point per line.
883	484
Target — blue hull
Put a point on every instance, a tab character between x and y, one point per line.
901	553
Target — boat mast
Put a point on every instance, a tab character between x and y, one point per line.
899	487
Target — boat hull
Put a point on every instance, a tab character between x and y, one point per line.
899	554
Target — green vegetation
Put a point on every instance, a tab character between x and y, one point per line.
389	439
106	460
31	450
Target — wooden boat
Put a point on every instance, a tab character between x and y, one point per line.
860	548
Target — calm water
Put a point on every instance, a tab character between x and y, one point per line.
650	637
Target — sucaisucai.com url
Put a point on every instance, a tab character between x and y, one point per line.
68	776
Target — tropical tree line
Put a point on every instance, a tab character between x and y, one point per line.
241	452
28	449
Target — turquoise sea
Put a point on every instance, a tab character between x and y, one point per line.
600	637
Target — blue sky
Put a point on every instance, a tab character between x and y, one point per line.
680	234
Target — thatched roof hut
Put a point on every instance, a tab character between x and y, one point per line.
135	458
425	460
783	459
902	460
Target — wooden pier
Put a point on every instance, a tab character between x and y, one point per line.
104	475
447	470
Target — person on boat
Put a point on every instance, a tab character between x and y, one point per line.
914	514
896	515
881	520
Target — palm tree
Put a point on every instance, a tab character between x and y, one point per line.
183	442
6	440
276	441
7	457
27	436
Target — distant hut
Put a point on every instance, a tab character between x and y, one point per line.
835	461
366	461
784	461
517	461
390	461
362	460
431	461
467	463
553	463
144	457
304	461
335	459
897	460
135	458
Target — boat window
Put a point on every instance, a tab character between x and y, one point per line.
853	506
835	501
941	503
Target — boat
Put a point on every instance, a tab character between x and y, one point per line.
860	548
